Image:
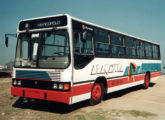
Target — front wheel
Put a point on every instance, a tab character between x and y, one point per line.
146	81
96	94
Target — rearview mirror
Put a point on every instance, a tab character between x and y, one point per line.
6	38
84	36
6	41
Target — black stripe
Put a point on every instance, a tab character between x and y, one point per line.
123	76
83	82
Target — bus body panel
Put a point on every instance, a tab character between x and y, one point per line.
116	72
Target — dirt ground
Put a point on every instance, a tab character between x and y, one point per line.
130	104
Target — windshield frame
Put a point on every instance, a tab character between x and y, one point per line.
39	45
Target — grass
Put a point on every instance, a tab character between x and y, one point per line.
136	113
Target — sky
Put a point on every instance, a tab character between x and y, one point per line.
141	18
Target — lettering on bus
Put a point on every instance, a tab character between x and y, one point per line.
106	69
48	24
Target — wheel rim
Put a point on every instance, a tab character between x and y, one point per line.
96	92
147	80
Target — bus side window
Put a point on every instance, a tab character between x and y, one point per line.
140	49
118	48
130	47
82	46
102	47
86	45
155	50
83	49
148	51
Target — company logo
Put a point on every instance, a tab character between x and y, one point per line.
106	69
131	71
132	68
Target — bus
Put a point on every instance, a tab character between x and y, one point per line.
64	59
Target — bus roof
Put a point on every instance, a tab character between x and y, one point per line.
92	24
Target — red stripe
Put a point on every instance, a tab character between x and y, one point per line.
82	89
124	80
139	77
156	74
130	79
33	79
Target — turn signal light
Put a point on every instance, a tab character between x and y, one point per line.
66	86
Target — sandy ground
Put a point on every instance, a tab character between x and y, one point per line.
130	104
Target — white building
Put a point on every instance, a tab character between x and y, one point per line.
1	67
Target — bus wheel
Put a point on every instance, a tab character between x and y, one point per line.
146	81
96	94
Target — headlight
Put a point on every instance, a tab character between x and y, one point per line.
55	86
19	82
15	82
60	86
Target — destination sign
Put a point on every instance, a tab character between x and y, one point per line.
43	23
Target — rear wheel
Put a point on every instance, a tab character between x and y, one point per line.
146	81
96	94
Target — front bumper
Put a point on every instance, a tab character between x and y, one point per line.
50	95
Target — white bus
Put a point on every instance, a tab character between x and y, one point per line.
64	59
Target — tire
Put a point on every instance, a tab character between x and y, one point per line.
146	81
96	93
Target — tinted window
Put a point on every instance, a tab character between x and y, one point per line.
83	51
86	47
129	42
102	49
83	46
116	39
155	50
140	49
118	49
148	50
101	43
101	36
130	47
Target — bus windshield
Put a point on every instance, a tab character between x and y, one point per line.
43	49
